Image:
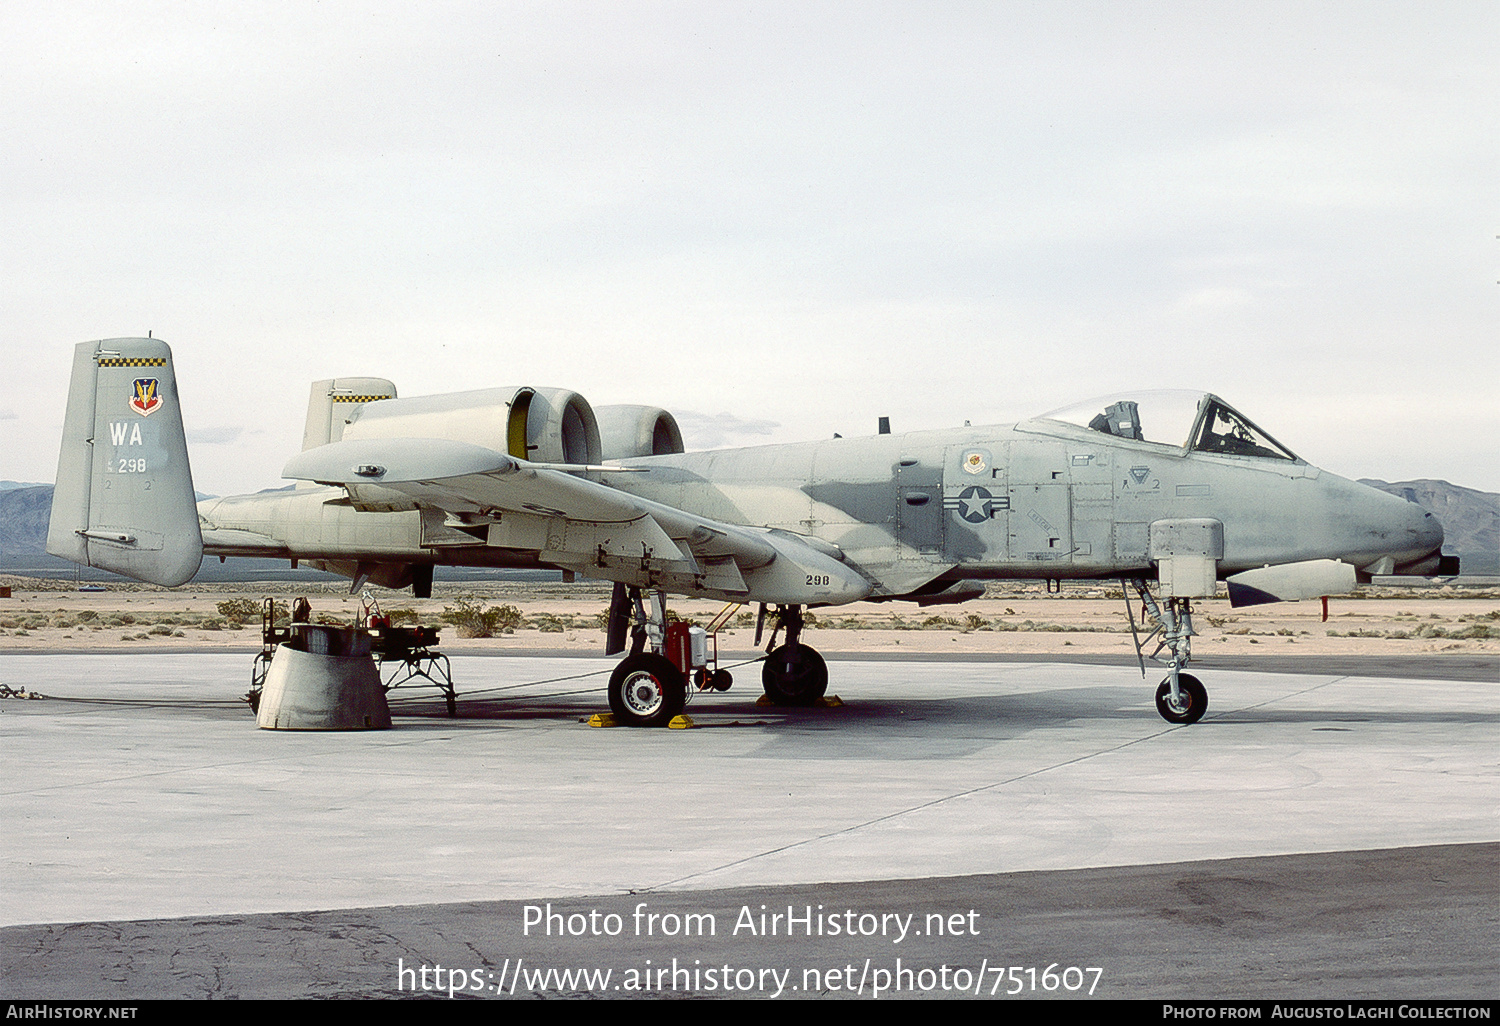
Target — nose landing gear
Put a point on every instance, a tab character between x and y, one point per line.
1190	703
1181	697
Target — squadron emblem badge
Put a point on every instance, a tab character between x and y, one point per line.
146	399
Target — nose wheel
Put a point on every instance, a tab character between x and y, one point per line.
1191	703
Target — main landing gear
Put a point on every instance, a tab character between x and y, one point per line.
792	674
646	690
1181	697
650	685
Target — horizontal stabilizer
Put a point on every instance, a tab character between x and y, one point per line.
1291	581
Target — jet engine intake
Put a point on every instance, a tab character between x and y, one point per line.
630	431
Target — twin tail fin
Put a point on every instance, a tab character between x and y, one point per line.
124	499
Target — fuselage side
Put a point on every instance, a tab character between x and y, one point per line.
1033	500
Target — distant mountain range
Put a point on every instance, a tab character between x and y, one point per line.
1471	519
24	512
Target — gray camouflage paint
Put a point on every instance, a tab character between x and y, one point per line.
1039	499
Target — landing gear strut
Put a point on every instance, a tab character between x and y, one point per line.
646	689
793	674
1181	698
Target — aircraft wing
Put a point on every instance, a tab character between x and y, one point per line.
580	524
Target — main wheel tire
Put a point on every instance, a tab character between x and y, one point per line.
796	678
1194	700
646	691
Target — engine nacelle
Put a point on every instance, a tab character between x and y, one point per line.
629	431
544	425
561	428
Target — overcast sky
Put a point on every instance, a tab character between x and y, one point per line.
779	220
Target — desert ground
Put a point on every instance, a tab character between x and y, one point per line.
1084	619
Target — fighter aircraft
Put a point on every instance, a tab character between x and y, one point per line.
1166	492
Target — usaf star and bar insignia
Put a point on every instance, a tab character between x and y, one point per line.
975	505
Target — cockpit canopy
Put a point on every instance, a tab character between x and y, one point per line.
1191	421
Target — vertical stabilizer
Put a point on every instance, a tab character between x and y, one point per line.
333	400
124	498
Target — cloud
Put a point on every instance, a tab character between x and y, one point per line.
714	431
9	415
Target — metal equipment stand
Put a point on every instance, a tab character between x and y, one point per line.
410	652
270	637
413	655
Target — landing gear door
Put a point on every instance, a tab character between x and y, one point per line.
976	504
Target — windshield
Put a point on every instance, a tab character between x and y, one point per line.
1224	430
1177	418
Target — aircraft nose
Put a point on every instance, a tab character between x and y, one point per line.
1429	529
1417	539
1386	533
